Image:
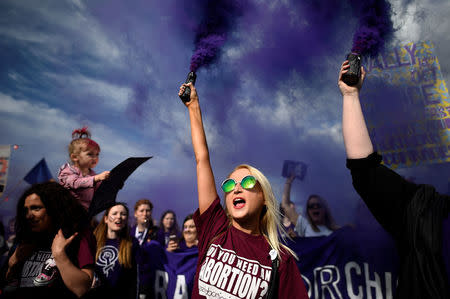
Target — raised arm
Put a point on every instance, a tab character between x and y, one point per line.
385	192
356	136
207	192
286	203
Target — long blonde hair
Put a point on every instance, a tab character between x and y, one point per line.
126	243
328	217
270	219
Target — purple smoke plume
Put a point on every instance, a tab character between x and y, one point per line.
212	32
294	38
375	26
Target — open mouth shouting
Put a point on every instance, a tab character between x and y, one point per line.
118	223
238	203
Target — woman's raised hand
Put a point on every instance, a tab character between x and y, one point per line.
60	243
346	89
193	96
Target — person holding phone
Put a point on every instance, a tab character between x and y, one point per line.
172	245
168	226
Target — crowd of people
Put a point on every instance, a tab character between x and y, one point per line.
57	250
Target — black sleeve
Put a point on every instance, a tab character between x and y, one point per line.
133	276
385	192
133	282
4	266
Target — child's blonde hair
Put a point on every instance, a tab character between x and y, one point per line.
81	139
270	220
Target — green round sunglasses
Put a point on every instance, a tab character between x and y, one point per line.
247	182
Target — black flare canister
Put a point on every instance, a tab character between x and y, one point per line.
186	96
351	77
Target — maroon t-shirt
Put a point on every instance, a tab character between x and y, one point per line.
234	264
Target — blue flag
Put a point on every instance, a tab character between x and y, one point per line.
39	174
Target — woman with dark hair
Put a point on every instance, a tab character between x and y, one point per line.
189	237
116	265
318	221
168	228
53	255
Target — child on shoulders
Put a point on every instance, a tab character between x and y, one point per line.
79	176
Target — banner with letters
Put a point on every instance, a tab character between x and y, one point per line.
167	274
349	264
406	103
5	153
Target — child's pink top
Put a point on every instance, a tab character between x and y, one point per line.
82	187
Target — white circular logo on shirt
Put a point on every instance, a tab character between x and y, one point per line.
107	258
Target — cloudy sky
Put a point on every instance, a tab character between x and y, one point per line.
116	66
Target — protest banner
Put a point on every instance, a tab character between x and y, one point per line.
5	153
407	108
349	264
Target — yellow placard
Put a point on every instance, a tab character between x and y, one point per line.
421	134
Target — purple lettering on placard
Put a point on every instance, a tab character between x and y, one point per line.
411	51
399	58
386	58
375	63
428	95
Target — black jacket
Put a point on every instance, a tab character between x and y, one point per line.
413	215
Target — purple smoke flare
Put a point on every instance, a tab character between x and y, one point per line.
212	32
375	26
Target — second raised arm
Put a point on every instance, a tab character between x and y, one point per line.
356	136
207	192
